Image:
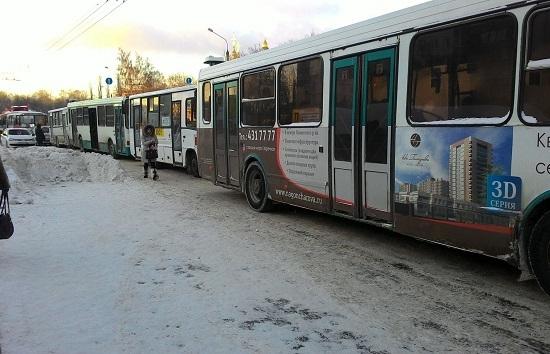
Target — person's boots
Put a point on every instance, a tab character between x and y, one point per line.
155	175
145	173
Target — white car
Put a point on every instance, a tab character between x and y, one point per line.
12	137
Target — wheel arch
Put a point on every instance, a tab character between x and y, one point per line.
246	162
534	211
188	154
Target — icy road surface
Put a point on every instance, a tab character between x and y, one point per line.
104	261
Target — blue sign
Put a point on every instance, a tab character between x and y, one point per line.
108	81
504	192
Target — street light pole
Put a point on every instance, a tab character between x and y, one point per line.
226	44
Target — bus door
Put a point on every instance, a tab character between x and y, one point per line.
361	114
189	125
226	113
92	119
74	118
376	133
119	129
64	125
136	116
176	132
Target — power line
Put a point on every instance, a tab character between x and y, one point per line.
92	25
79	23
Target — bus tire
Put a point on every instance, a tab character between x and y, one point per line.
539	252
193	164
256	188
111	149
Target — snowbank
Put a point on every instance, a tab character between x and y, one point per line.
31	166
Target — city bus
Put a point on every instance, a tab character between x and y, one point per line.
22	117
99	125
173	114
59	122
433	121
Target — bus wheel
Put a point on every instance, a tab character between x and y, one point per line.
193	164
539	252
111	149
256	188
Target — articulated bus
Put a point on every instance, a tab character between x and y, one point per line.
99	125
22	118
173	114
433	121
59	123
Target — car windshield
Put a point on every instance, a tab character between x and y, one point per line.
18	132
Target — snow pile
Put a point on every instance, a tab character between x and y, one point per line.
32	166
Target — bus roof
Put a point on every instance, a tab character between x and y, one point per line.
413	18
20	113
56	109
164	91
96	102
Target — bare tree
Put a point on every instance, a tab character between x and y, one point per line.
137	74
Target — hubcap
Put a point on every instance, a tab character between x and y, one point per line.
256	186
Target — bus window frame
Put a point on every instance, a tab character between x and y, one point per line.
300	125
241	88
483	122
523	62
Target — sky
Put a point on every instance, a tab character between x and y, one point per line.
40	52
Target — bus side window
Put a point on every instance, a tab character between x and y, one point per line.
536	78
190	112
206	109
454	72
258	98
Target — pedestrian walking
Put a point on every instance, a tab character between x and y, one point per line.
149	151
39	135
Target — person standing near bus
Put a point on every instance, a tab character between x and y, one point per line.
6	225
149	154
40	137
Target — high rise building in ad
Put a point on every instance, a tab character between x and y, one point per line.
470	162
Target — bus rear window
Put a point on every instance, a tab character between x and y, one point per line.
536	82
455	72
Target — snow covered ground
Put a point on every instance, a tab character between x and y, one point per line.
104	261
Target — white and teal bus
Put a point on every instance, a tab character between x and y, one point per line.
173	114
59	122
99	125
433	121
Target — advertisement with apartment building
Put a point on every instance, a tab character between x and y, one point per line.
442	174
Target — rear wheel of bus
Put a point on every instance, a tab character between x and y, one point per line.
256	188
539	252
192	164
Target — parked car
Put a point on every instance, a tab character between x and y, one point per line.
12	137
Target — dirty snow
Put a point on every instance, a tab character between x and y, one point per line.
126	265
40	166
